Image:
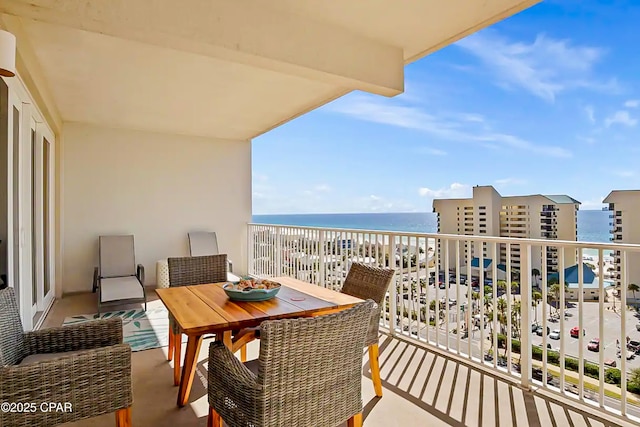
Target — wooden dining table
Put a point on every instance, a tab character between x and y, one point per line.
206	309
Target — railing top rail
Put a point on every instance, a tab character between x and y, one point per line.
472	238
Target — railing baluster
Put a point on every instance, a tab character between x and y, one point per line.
446	292
494	303
469	320
458	329
623	332
481	284
545	325
525	311
436	283
580	326
509	307
561	280
393	296
601	327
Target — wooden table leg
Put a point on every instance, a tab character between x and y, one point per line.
226	339
189	368
177	357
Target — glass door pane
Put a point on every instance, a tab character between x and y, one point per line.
5	195
15	277
46	213
34	228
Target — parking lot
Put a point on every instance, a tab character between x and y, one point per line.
612	332
612	326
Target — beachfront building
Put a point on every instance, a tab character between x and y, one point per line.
488	213
624	205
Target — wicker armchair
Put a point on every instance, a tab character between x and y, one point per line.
187	271
364	282
368	282
86	367
308	374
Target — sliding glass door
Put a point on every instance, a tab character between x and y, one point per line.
26	202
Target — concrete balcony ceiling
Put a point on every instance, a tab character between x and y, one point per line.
225	69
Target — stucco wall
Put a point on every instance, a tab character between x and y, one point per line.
155	186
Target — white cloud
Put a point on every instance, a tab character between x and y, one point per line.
595	203
454	191
544	67
445	126
632	103
589	111
621	117
375	203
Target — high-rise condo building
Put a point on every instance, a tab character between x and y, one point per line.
488	213
625	228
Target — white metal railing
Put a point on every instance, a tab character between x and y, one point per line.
430	301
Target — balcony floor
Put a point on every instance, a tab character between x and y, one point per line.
421	388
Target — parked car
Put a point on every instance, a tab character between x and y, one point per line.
555	334
540	329
574	332
610	362
634	346
536	373
638	327
594	344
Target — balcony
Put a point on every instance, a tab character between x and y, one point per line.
423	335
422	385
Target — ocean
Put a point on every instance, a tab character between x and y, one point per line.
593	225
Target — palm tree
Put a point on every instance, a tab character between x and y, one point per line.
502	314
515	317
514	287
536	297
475	296
555	294
535	273
633	288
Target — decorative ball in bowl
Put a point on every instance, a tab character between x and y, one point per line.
252	289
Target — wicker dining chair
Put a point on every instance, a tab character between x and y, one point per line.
369	282
308	374
187	271
85	367
365	282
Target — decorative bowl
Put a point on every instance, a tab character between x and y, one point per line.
235	291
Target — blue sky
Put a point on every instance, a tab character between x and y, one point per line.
547	101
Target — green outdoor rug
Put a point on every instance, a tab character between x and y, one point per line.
141	330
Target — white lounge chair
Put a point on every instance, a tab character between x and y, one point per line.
203	243
117	278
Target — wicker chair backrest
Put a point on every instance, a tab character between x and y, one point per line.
368	282
313	366
197	270
12	346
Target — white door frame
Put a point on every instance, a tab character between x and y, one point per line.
44	135
25	240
